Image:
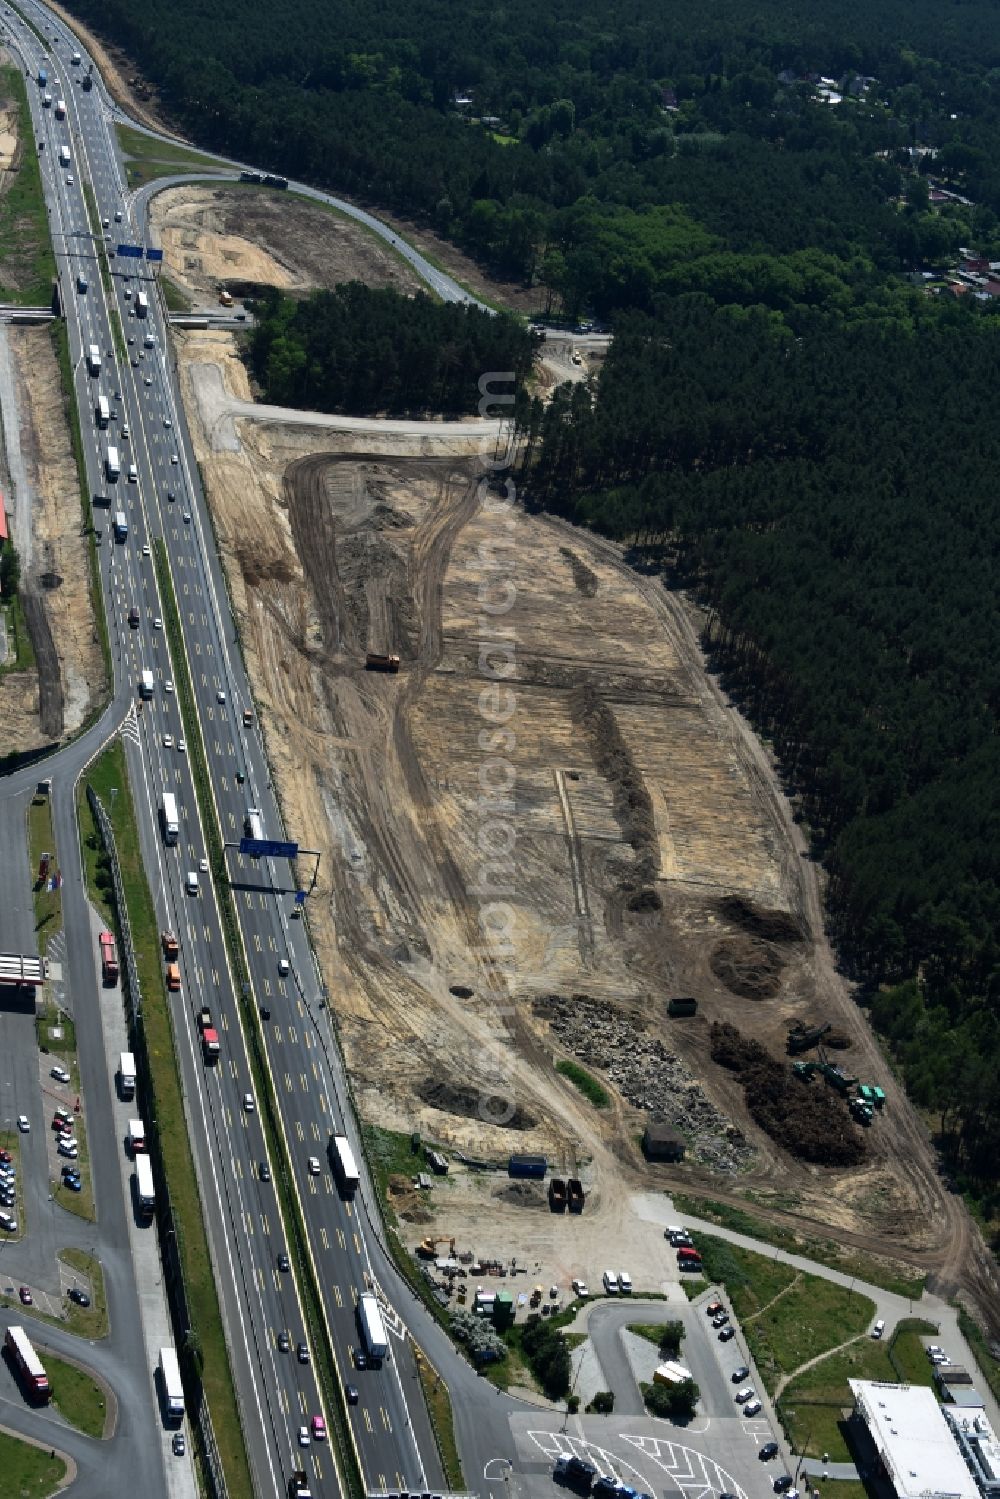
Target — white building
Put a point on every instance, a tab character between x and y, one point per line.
916	1445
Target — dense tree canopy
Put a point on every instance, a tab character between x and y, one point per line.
358	350
832	499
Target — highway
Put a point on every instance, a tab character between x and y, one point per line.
278	1394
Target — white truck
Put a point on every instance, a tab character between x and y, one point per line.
60	109
252	825
94	360
102	411
146	684
126	1074
373	1333
343	1164
112	464
137	1137
141	305
171	826
170	1385
145	1191
65	156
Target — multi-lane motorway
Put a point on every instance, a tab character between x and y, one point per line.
278	1393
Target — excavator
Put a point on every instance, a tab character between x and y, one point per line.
427	1248
804	1038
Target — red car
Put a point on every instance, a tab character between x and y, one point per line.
6	1157
26	1296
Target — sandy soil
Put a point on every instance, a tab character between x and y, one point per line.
64	633
228	236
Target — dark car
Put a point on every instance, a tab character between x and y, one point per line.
605	1488
133	617
782	1482
264	1171
284	1342
726	1334
80	1297
26	1297
720	1320
360	1359
6	1157
283	1262
73	1183
714	1308
302	1353
738	1375
265	1013
351	1394
769	1450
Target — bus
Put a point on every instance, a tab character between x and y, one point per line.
145	1192
93	359
343	1164
109	958
170	1384
27	1363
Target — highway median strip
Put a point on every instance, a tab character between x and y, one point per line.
307	1280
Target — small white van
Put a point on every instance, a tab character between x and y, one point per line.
611	1282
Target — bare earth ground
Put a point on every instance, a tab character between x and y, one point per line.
331	553
213	236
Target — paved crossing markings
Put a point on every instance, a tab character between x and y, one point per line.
288	1082
385	1418
337	1296
368	1420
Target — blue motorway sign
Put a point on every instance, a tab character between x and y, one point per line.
300	897
154	254
268	848
130	252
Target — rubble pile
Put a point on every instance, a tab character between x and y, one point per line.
648	1076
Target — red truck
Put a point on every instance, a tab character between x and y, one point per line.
109	958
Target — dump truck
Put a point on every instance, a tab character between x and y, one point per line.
170	946
575	1195
173	976
209	1035
225	298
557	1194
376	662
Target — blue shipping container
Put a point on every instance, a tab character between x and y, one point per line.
527	1165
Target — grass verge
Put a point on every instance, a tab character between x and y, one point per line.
439	1407
109	771
87	1321
76	1395
976	1340
298	1243
148	159
25	245
174	298
28	1469
890	1274
788	1318
22	657
812	1407
42	840
587	1084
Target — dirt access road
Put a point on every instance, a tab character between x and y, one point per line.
634	827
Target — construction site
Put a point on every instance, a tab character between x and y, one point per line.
583	857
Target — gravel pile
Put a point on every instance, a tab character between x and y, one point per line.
648	1076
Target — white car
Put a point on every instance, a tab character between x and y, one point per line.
303	1436
168	685
68	1148
248	1103
60	1074
182	745
8	1224
314	1166
174	458
69	181
187	517
168	741
580	1289
106	223
157	623
203	865
145	549
283	967
118	217
191	882
147	379
24	1124
220	696
167	422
